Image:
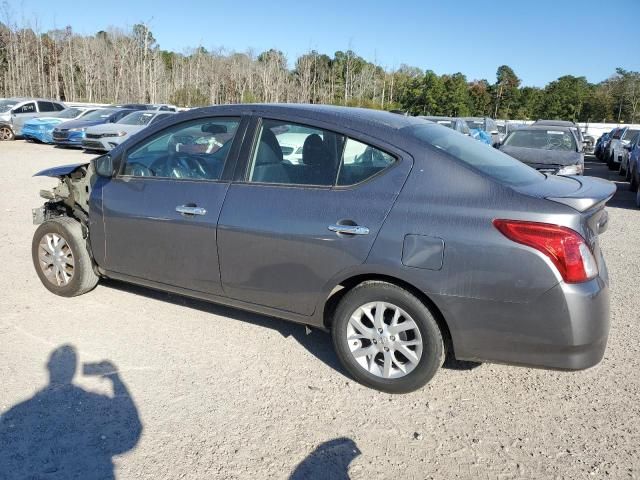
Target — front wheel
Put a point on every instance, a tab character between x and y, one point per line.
633	181
61	258
6	133
386	338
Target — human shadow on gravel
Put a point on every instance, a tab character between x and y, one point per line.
65	432
330	461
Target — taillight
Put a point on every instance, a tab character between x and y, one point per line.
565	247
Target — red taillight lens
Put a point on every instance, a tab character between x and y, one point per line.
565	247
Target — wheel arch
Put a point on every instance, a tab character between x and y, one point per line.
348	283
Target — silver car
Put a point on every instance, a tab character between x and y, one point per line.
106	136
15	111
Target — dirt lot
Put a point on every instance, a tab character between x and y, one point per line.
220	393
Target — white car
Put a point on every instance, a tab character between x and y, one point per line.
106	136
291	144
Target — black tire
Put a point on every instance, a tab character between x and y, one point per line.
610	162
633	181
621	171
433	351
6	133
83	278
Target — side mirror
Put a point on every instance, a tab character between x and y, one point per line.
495	132
104	166
627	147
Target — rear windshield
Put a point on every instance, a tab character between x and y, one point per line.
482	157
475	124
549	139
69	113
99	114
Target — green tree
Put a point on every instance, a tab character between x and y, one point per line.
564	98
505	91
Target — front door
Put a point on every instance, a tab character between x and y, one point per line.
21	114
160	213
292	225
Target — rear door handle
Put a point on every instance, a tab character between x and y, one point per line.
190	210
349	229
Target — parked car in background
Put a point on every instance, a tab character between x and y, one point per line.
104	137
72	133
418	239
484	129
634	165
551	150
14	112
505	127
616	151
457	124
624	154
41	128
564	123
602	144
589	142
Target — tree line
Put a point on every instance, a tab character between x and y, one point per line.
117	66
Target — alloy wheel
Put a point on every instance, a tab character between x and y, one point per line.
384	340
5	133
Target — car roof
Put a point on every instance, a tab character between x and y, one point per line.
434	117
375	123
555	123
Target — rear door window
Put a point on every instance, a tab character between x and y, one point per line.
195	150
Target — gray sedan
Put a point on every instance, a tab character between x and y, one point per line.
553	150
405	239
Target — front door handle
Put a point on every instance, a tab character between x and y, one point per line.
349	229
190	210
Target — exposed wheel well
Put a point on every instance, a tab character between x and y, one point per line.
348	284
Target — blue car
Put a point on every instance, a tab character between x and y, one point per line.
41	129
484	129
72	133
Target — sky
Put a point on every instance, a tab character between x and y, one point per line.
540	39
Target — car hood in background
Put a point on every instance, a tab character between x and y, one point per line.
44	121
80	124
539	156
114	128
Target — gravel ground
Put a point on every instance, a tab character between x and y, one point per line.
220	393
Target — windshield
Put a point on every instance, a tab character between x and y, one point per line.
486	159
542	139
99	114
69	113
141	117
630	134
502	128
475	124
6	105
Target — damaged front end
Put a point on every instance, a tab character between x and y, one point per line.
70	197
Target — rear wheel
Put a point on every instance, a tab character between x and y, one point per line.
386	338
6	133
61	258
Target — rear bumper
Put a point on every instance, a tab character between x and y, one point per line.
566	328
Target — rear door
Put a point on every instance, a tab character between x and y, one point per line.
21	114
161	211
287	228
